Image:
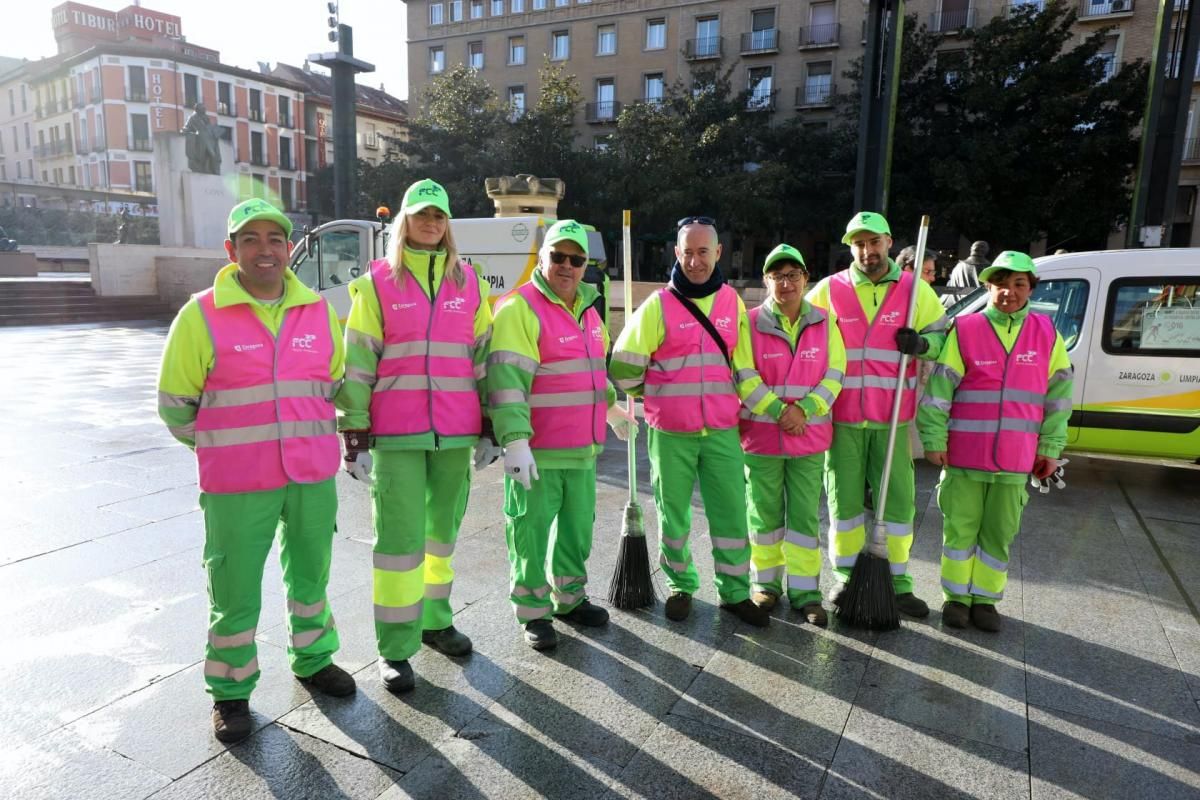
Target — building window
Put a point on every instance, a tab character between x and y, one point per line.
823	27
517	6
606	40
763	34
539	5
818	85
12	102
371	137
656	34
759	84
287	194
191	90
19	175
435	13
708	37
142	181
561	3
606	99
437	60
653	84
4	172
476	9
139	127
28	138
285	112
25	98
225	99
497	8
516	50
137	85
475	55
285	153
257	156
456	10
560	49
256	105
516	101
950	64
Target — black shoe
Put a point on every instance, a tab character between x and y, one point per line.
397	676
447	641
231	720
955	614
749	613
540	634
679	605
331	680
587	614
985	617
912	605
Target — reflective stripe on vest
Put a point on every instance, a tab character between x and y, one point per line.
569	384
688	384
266	414
998	407
428	352
872	360
790	375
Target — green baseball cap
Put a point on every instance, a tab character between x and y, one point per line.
866	221
784	252
1011	260
256	208
424	194
567	230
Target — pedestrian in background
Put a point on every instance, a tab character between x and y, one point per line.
247	380
550	399
412	409
799	354
996	410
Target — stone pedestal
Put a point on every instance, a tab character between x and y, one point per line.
18	265
192	208
523	195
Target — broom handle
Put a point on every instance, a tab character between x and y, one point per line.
627	255
881	501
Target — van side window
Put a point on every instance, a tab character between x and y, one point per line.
1153	316
1065	302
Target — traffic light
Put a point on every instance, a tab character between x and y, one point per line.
333	21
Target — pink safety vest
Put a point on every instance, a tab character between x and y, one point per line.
570	384
688	384
872	360
266	415
790	375
998	406
425	380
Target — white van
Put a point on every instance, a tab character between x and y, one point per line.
1131	322
504	250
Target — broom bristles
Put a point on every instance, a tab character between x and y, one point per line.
631	586
869	600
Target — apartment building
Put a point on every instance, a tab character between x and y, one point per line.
790	54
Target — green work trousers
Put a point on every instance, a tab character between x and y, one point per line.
420	497
553	518
979	522
716	459
238	532
854	461
781	501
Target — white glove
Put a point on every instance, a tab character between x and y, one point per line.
359	467
519	464
486	451
621	421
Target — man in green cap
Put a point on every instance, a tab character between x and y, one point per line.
869	301
550	399
686	350
995	410
247	380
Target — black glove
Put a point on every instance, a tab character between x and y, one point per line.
356	442
910	342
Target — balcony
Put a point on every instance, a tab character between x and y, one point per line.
57	148
226	109
140	145
700	49
136	95
1191	151
817	36
952	22
604	112
1103	8
761	101
99	146
285	120
255	115
285	161
258	160
143	185
759	42
817	94
1013	8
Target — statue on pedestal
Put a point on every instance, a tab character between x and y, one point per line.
203	149
123	227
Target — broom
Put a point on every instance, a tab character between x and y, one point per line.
631	586
869	600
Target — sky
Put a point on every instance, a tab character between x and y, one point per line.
247	32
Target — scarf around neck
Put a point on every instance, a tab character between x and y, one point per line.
694	291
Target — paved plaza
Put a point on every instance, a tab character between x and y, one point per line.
1091	690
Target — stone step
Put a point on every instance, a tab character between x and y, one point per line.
99	314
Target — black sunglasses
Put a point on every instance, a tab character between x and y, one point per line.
699	220
576	261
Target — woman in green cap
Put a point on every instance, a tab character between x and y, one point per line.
801	358
994	411
412	408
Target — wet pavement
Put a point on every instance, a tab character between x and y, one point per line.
1091	689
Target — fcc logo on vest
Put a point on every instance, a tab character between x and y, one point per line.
454	306
304	343
723	322
890	318
1027	359
811	354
